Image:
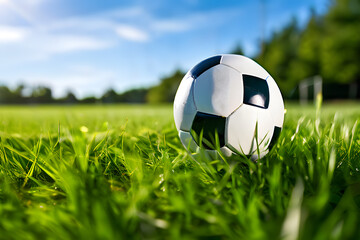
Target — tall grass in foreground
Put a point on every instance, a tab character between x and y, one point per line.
121	172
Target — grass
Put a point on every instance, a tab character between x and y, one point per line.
120	172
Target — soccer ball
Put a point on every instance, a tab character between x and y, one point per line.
228	104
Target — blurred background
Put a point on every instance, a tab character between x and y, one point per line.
89	51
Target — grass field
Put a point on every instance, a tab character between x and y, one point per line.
120	172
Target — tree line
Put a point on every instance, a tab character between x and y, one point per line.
43	95
163	92
328	45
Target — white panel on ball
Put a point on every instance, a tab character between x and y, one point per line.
218	91
276	104
240	129
184	107
244	65
265	129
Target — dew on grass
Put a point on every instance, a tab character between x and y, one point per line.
84	129
161	176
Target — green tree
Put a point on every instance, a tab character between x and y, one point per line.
238	50
166	90
110	96
307	60
6	96
70	98
41	94
134	96
340	50
89	100
279	53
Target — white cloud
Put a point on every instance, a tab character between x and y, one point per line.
9	34
131	33
71	43
170	25
20	45
104	30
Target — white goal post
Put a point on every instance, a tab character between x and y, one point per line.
316	82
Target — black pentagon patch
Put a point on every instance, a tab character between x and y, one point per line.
275	137
209	130
204	65
256	91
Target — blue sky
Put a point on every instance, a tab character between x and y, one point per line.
88	46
